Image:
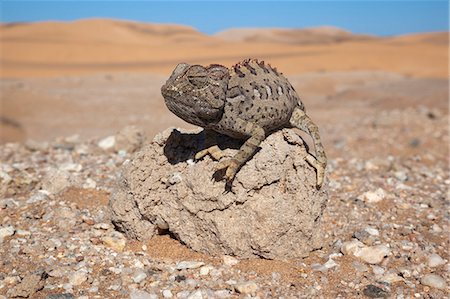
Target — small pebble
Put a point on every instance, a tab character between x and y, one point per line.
37	197
248	287
114	242
373	196
6	232
189	265
391	278
222	294
139	275
205	270
372	231
373	291
183	294
401	176
377	270
107	143
369	254
434	260
436	228
350	247
360	267
167	294
229	260
139	294
373	254
434	281
78	277
195	295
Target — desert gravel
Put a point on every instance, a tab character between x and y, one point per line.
386	224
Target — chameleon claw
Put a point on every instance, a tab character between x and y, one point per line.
320	169
214	151
201	154
231	166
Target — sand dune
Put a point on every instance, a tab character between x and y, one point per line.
97	91
319	35
96	31
98	45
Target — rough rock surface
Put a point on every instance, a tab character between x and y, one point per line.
273	209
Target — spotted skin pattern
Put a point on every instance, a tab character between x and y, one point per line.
247	101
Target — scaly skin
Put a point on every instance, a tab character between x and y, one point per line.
248	101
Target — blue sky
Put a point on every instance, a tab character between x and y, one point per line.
372	17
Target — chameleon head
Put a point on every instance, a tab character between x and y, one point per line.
195	93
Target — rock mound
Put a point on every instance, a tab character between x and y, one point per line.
273	210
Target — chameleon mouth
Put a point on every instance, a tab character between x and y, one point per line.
183	111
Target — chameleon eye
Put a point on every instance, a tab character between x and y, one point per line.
217	72
197	76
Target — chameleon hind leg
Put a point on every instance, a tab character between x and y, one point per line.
300	120
232	165
211	147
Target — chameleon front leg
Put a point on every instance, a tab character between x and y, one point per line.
300	120
211	147
232	165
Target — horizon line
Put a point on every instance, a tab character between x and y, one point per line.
219	31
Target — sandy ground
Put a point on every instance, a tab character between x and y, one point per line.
381	106
123	64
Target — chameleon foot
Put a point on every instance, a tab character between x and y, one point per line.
214	151
320	169
231	166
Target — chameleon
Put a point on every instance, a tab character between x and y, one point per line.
248	101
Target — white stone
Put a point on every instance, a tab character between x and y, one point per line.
195	295
248	287
56	181
350	247
139	275
22	233
205	270
373	254
436	228
115	241
330	264
373	196
138	294
434	281
167	294
78	277
229	260
6	232
102	225
391	278
372	231
107	143
38	196
6	178
189	265
175	178
434	260
431	216
73	167
401	176
377	270
222	294
89	184
369	254
183	294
